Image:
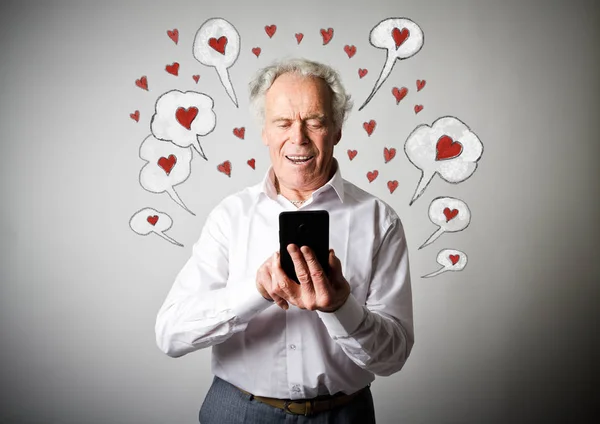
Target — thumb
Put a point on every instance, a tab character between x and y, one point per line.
334	263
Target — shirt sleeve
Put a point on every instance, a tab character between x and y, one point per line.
379	335
203	308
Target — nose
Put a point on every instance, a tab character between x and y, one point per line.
298	135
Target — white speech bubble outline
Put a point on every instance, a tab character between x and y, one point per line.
381	38
140	225
438	217
444	260
205	54
420	149
153	177
164	124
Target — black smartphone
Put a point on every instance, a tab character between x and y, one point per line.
304	228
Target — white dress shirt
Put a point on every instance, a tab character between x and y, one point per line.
293	354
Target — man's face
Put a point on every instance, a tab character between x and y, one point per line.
299	131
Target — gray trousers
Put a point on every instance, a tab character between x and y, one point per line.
225	404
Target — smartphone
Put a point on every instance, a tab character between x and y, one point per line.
304	228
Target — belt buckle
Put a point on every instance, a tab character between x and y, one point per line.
286	406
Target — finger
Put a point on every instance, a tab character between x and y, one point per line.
300	264
319	279
281	282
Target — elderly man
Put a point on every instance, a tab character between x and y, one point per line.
280	348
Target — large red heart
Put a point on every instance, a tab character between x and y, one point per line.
372	175
225	168
142	83
450	213
256	51
392	185
167	164
218	45
399	93
152	219
350	50
352	154
196	78
173	35
173	69
270	30
454	259
362	72
420	84
186	116
369	127
446	148
389	154
327	35
400	36
251	163
239	132
299	37
135	116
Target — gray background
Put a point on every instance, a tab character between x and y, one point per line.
512	338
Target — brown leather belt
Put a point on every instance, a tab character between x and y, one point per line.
309	406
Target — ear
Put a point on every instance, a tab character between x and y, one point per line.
338	137
264	136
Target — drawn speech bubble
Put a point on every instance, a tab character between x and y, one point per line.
182	118
402	38
450	260
448	148
168	165
148	220
217	44
450	214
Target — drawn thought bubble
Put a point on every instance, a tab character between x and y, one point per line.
450	260
450	214
148	220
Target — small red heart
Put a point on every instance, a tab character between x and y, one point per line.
399	93
225	168
454	259
186	116
196	78
450	213
327	35
389	154
369	127
173	35
173	69
256	51
372	175
239	132
400	36
135	116
350	50
167	164
270	30
420	84
142	83
392	185
362	72
299	37
446	148
152	219
418	108
218	45
352	154
251	162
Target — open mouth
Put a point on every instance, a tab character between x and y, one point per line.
297	160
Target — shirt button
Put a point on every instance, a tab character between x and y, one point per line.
293	346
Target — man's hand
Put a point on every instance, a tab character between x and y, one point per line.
264	284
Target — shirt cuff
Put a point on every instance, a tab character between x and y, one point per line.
250	302
345	320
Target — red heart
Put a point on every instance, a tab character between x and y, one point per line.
327	35
256	51
196	78
251	162
420	84
418	108
446	148
369	127
362	72
186	116
400	36
352	154
270	30
218	45
167	164
173	35
239	132
225	168
450	213
454	259
399	93
142	83
135	116
372	175
152	219
350	50
392	185
299	37
173	69
389	154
